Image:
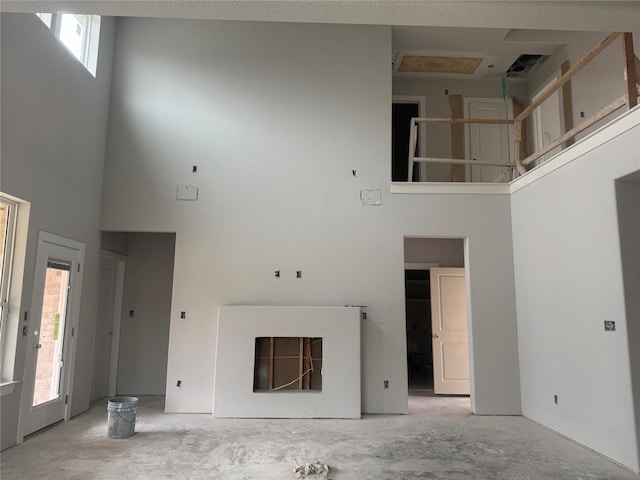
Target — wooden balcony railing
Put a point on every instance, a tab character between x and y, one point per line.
519	166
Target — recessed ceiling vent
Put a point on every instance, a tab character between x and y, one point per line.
524	64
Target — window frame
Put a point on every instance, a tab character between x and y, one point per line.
90	37
7	268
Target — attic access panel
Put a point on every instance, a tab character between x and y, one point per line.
524	64
287	364
437	64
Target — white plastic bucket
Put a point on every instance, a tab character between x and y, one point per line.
122	412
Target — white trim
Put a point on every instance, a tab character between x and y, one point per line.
616	127
450	188
422	129
6	271
120	261
7	388
77	270
12	328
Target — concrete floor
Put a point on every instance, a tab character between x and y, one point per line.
440	439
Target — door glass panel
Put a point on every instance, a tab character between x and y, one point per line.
52	327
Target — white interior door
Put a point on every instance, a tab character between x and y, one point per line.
548	121
108	317
489	143
449	331
53	321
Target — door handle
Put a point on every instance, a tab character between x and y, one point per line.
37	346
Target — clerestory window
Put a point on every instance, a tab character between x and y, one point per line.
79	33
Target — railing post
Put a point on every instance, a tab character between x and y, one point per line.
517	139
630	78
413	133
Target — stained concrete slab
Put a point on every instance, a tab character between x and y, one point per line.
440	439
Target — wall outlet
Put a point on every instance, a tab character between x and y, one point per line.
183	314
555	399
386	383
179	384
609	326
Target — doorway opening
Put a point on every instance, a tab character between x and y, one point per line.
131	344
436	317
108	322
404	108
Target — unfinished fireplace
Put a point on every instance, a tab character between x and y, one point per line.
288	341
288	363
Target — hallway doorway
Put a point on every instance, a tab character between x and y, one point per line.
423	258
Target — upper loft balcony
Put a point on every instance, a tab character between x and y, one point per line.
496	141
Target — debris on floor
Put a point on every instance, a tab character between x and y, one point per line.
311	471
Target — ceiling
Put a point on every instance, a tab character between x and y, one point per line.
496	31
497	48
604	16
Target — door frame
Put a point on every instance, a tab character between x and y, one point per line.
467	274
467	127
72	320
422	128
119	262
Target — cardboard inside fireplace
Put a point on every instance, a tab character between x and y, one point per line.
287	363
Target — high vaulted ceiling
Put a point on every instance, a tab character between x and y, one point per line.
497	32
553	15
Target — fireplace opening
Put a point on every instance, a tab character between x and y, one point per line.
288	364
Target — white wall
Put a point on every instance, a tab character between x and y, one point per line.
276	116
447	252
569	280
598	84
54	117
628	199
144	338
115	242
238	328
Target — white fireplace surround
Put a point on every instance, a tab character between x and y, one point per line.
239	326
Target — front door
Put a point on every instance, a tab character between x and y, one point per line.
51	332
449	331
